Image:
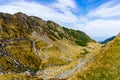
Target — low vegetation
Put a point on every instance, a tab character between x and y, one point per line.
28	43
23	54
79	37
105	66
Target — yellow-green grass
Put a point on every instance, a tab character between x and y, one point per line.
106	65
23	54
53	61
17	77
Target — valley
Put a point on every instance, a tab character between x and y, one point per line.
35	49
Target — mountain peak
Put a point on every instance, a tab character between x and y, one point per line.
19	14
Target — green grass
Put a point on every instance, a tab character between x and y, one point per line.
106	66
23	53
79	37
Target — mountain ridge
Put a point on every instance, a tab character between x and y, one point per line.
107	40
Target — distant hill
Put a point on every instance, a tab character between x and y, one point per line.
107	40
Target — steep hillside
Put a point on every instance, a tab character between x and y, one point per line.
79	37
105	66
28	43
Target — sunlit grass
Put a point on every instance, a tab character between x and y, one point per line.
105	67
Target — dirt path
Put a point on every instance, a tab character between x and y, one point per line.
80	65
48	74
35	50
69	73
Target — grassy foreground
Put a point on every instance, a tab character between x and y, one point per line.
105	67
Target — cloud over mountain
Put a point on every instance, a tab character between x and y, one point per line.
69	14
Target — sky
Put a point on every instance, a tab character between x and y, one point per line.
100	19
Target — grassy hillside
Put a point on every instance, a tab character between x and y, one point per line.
30	43
18	57
78	37
106	65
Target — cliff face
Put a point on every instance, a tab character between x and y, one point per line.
30	43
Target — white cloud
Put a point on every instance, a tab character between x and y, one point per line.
61	12
65	5
102	28
42	11
108	9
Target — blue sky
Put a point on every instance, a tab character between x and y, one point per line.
100	19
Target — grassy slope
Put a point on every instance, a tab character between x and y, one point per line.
22	53
17	77
105	67
79	37
19	29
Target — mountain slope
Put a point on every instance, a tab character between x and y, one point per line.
79	37
28	43
107	40
106	64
